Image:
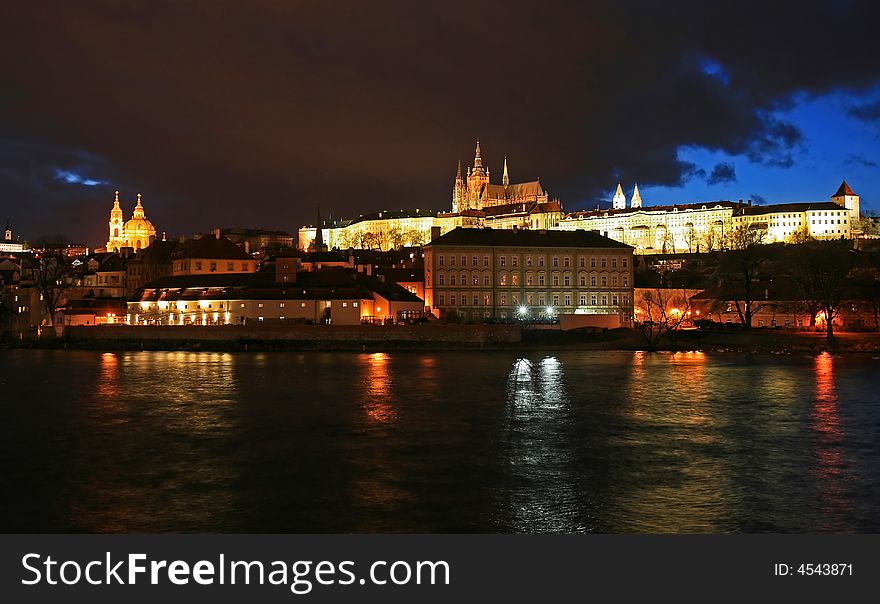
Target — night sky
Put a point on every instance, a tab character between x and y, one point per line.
254	113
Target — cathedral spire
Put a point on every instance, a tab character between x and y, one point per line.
636	201
139	209
619	201
116	201
478	159
319	234
458	172
505	179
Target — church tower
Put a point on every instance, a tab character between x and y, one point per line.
117	232
619	201
847	198
636	201
505	179
478	178
7	232
459	192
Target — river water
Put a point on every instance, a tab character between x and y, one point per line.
604	442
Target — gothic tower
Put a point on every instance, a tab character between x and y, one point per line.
459	192
505	179
636	201
847	198
478	178
619	201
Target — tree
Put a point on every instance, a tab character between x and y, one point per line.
799	235
691	238
660	311
740	270
821	270
53	276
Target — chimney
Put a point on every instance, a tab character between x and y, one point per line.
435	233
247	246
217	233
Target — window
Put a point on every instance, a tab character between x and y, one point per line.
503	260
555	260
260	305
604	299
582	262
568	299
541	280
528	261
566	262
476	278
604	262
464	260
503	299
625	280
230	266
541	261
555	299
593	299
476	299
442	300
514	279
604	280
486	279
452	300
244	266
242	304
529	279
583	299
593	280
451	278
541	300
485	260
582	281
614	300
344	305
485	299
198	265
440	260
474	261
281	305
613	279
514	260
452	261
441	278
502	279
592	262
555	280
566	280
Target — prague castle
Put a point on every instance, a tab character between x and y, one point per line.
476	202
136	233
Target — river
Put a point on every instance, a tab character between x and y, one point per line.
609	442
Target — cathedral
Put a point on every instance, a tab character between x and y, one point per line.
477	193
136	233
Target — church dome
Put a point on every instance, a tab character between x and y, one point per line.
139	226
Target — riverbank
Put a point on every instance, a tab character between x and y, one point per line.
372	338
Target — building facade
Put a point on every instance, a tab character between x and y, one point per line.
476	275
136	233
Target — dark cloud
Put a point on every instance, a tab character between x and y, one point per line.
868	112
857	159
722	172
758	199
255	113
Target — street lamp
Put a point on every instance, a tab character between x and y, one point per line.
523	310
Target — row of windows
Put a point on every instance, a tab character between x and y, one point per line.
602	261
197	265
210	305
514	280
600	299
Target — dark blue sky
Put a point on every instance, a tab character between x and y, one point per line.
254	114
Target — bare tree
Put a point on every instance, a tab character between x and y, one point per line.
660	311
740	270
822	269
53	276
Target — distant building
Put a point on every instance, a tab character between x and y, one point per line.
255	240
694	227
210	255
491	274
8	244
136	233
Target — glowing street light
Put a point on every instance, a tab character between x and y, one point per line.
550	310
523	310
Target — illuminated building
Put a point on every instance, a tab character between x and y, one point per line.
210	255
8	244
476	203
136	233
512	274
328	296
695	227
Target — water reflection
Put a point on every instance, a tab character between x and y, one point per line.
176	405
378	403
825	416
541	489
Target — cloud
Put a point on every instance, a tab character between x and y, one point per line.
722	172
372	106
857	159
758	199
866	112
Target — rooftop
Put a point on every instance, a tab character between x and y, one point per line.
527	238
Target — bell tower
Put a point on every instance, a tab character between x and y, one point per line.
117	232
478	178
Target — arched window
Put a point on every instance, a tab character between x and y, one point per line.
116	232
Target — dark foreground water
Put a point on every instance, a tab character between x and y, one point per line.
445	442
